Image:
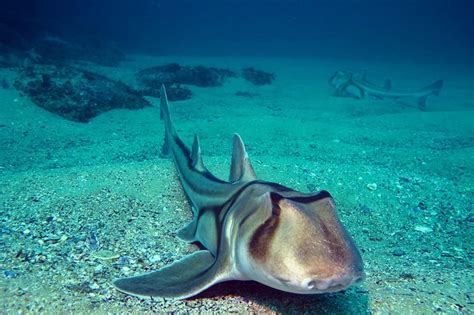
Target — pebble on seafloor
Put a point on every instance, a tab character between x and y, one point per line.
423	229
9	274
398	252
365	209
372	186
105	255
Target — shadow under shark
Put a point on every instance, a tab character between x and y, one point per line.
250	230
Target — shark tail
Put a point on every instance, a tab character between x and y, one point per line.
432	89
169	129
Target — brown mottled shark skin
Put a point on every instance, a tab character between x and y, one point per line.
348	84
250	230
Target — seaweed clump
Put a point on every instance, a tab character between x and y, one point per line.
76	94
257	77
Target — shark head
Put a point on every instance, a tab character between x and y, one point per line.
339	78
297	244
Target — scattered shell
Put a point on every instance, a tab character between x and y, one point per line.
94	286
372	186
423	229
105	255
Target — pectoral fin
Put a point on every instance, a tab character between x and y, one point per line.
182	279
188	232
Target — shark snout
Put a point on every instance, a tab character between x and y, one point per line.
332	284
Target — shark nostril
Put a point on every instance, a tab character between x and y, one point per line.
309	284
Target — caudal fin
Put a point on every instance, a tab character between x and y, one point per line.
432	89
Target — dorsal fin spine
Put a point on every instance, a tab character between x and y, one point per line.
196	156
240	169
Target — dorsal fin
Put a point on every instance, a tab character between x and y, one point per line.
240	168
388	84
364	74
196	155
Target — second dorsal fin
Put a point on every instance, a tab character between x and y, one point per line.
196	157
240	169
388	84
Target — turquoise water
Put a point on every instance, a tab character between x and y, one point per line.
87	196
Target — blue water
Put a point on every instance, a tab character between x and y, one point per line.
437	30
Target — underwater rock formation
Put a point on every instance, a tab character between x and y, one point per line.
174	73
76	94
257	77
175	92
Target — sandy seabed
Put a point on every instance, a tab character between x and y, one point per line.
62	183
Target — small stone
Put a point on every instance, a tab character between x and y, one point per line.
98	268
372	186
83	287
398	252
105	255
125	269
124	260
63	238
364	209
423	229
422	205
9	274
470	218
94	286
407	276
26	232
155	259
